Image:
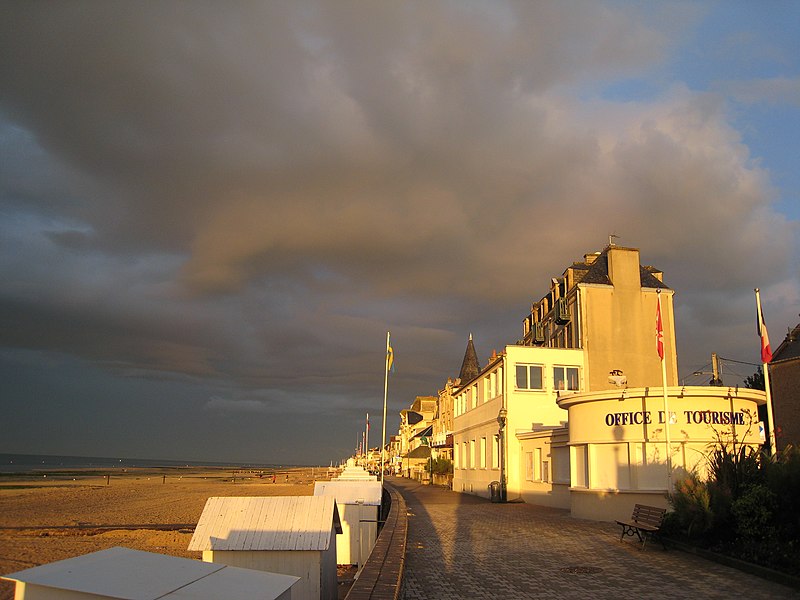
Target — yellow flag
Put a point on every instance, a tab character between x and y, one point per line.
390	359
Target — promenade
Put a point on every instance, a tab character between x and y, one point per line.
464	547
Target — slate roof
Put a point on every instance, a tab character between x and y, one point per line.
427	432
790	346
597	272
470	367
420	452
412	416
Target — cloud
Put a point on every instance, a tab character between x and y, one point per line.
248	197
246	406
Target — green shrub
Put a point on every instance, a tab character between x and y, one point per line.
691	504
440	466
782	476
754	514
749	507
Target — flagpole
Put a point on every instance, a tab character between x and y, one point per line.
662	352
366	438
385	394
772	447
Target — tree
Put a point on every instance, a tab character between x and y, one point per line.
755	381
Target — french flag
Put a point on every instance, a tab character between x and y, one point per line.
766	351
659	329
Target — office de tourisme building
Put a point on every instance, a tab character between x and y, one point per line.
573	414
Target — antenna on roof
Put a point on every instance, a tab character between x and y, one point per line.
611	238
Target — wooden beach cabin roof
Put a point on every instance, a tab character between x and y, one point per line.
351	491
128	574
266	523
356	473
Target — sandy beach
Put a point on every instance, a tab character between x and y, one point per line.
44	519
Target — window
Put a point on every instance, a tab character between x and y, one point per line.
546	471
611	467
475	396
496	452
529	377
490	388
537	464
580	473
482	462
560	459
472	461
529	466
566	378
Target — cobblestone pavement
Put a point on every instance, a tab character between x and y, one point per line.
461	546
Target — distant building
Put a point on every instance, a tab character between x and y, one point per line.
442	426
784	373
415	433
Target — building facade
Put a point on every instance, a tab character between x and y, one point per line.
784	374
536	419
442	426
415	433
516	391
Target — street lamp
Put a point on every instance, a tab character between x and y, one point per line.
502	418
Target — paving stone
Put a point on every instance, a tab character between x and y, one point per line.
464	547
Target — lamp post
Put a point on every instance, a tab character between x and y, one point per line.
502	417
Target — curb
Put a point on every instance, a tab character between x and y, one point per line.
381	578
735	563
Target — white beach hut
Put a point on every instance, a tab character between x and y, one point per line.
357	473
295	535
359	505
125	574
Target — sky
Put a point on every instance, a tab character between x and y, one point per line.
211	214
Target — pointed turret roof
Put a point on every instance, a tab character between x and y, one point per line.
470	367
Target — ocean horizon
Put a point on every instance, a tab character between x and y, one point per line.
22	463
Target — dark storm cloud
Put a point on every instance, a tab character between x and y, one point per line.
248	196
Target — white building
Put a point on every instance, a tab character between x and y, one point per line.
573	414
295	535
522	384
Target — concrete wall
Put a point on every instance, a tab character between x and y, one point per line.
618	449
618	326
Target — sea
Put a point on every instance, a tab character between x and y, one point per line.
24	463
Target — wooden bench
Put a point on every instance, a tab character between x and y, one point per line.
645	523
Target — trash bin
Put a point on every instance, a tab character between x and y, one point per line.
494	491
